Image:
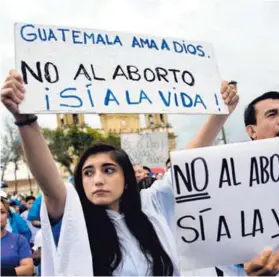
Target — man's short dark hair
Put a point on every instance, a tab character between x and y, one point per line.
28	198
147	168
250	111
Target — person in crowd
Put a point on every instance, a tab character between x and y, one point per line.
34	212
16	255
14	206
159	176
29	202
147	170
122	234
22	205
146	182
37	250
139	172
16	224
261	119
120	231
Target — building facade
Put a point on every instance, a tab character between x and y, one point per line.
123	123
68	120
130	123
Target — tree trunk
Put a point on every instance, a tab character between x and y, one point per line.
3	171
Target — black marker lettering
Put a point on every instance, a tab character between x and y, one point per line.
223	222
257	220
120	73
264	172
161	74
274	160
243	226
37	76
82	71
254	171
48	75
94	74
277	221
196	233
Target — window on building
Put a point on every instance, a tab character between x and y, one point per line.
75	119
123	123
151	120
162	120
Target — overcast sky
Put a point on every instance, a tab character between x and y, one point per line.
244	35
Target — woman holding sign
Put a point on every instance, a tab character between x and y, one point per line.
105	226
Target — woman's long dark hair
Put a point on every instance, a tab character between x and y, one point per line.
104	243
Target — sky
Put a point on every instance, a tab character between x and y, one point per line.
244	35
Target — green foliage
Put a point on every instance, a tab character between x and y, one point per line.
68	145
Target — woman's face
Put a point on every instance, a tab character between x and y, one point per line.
139	172
4	216
103	180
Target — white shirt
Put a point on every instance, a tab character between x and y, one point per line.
73	254
38	240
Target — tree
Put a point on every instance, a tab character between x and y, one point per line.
59	146
68	145
11	149
5	155
113	140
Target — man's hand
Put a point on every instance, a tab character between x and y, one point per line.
229	95
267	264
36	223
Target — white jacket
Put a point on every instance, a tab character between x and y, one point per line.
73	255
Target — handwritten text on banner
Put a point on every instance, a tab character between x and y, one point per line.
226	202
73	70
150	149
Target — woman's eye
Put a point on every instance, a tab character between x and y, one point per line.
109	170
88	173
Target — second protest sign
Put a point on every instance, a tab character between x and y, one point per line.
226	202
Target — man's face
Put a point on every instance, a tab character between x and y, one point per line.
146	172
29	204
267	120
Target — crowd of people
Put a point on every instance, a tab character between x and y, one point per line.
117	219
20	235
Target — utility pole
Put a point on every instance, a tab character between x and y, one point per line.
224	137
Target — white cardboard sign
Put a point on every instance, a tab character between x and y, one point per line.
227	207
149	149
72	70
